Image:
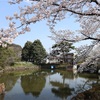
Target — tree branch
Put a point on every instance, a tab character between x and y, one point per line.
78	13
95	2
87	38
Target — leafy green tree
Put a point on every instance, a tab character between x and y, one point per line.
62	49
7	56
17	51
26	51
38	52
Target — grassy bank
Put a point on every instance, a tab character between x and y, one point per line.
20	66
23	64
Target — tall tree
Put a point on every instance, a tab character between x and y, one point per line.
38	52
86	12
26	51
62	49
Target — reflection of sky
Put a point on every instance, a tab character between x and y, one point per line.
39	30
17	92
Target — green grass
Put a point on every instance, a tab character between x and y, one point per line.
22	73
23	64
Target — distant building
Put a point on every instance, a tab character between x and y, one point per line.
68	58
52	59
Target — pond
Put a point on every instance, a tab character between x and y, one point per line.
46	85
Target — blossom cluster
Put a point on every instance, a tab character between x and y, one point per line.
87	14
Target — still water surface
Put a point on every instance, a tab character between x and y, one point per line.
46	85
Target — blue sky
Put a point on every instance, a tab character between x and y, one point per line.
38	31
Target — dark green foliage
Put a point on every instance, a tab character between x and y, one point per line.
38	52
33	52
5	55
9	55
26	51
62	49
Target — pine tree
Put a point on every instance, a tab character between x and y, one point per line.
38	52
26	51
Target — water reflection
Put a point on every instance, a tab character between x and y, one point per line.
9	80
2	97
33	83
47	85
62	90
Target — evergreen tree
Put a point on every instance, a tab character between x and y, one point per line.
61	49
26	51
38	52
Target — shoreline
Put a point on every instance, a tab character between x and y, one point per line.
19	68
91	94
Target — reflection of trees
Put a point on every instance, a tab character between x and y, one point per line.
90	94
2	97
33	83
66	74
9	80
62	90
89	76
83	87
89	89
88	83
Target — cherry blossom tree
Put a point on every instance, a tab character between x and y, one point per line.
87	13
